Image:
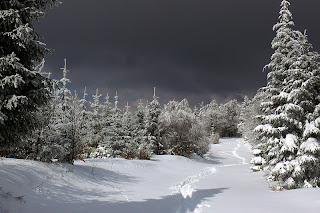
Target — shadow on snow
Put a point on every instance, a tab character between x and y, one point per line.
169	204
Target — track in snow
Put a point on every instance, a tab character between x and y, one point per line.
186	188
236	154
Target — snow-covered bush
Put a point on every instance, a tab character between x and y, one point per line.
182	133
220	119
152	124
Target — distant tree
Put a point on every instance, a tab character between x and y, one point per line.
152	123
141	137
210	117
182	133
23	88
106	128
220	119
116	142
244	116
128	127
228	123
95	123
84	120
249	110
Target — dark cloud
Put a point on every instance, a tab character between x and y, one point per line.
193	49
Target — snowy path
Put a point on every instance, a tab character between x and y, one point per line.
221	182
186	188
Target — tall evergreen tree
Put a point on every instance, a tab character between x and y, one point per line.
64	121
22	87
292	92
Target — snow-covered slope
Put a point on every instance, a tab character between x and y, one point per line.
222	182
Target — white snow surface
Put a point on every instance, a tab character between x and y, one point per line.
221	182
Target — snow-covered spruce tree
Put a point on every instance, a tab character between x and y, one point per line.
59	137
292	93
30	146
65	138
83	122
106	133
131	145
106	116
63	118
79	128
116	142
276	123
22	87
152	124
45	137
145	149
95	123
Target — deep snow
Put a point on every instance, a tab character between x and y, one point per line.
221	182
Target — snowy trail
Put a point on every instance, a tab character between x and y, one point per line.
186	188
221	182
235	151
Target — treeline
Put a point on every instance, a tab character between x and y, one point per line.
72	128
41	119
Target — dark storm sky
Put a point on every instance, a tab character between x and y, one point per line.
194	49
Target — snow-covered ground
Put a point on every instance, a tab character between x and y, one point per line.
222	182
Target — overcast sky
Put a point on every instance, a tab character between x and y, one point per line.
194	49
